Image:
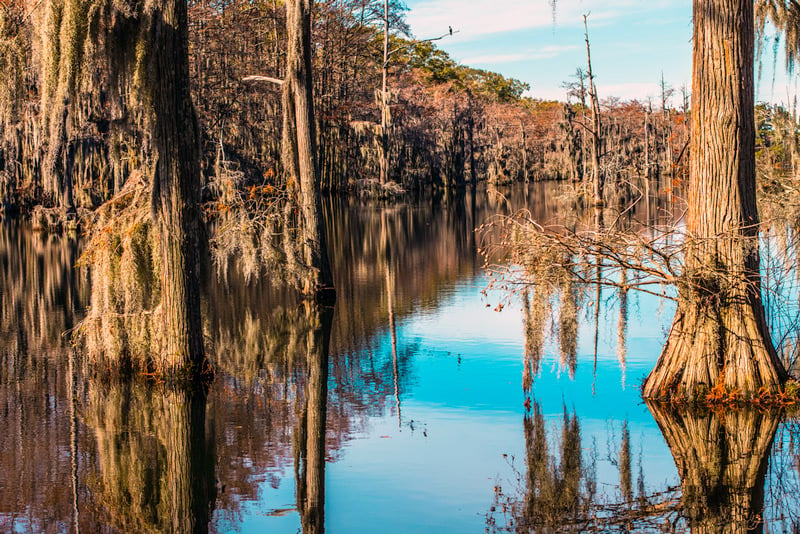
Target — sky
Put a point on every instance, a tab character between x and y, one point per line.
633	42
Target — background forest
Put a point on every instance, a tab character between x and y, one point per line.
71	134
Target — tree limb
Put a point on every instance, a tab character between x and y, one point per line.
257	78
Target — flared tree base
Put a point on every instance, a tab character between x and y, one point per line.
716	348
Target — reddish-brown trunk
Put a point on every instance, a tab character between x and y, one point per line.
719	334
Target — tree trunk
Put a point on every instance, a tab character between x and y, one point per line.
300	150
384	98
647	150
473	175
176	185
719	334
597	174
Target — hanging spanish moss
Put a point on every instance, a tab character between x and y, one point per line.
568	324
123	325
535	311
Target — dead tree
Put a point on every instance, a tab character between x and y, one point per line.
299	149
595	131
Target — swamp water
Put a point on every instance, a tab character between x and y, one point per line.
402	410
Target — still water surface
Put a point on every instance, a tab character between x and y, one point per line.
402	410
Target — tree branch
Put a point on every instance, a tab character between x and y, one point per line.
412	43
257	78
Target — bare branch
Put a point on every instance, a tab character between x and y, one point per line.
257	78
412	43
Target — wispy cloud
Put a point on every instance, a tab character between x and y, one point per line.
476	18
628	91
528	55
624	91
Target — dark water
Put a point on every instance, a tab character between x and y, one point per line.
402	410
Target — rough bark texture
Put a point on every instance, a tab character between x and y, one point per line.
719	334
176	184
299	140
722	461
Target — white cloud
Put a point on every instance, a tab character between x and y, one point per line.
547	93
474	18
624	91
628	91
528	55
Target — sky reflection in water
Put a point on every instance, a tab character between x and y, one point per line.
460	431
434	465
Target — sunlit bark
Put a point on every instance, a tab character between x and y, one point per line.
300	149
176	184
719	334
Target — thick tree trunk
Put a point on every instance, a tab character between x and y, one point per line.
300	150
176	185
722	461
719	334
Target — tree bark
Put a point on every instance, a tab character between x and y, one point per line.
176	185
719	334
300	150
384	99
597	174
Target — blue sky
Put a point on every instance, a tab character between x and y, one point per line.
633	42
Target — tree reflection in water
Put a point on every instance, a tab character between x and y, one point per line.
309	435
130	455
155	458
721	459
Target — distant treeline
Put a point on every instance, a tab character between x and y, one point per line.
71	137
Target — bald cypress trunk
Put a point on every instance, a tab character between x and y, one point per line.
176	184
719	334
300	149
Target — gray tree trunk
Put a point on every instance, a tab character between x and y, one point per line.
300	150
176	184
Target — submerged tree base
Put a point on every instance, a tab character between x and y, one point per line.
718	350
123	332
721	397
